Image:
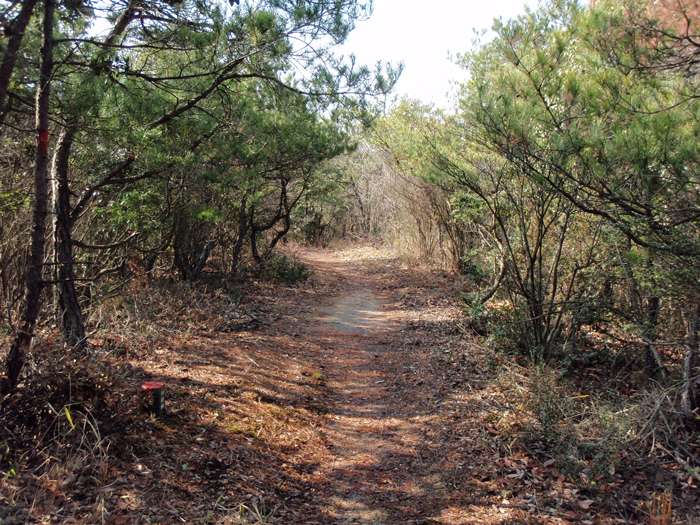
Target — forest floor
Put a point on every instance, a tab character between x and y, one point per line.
357	396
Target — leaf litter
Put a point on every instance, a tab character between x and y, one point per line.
278	412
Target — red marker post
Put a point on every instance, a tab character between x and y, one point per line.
153	396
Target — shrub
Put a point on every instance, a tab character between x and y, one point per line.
281	268
584	433
499	325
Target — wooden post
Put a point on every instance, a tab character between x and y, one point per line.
153	397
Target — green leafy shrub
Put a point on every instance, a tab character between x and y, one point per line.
281	268
499	325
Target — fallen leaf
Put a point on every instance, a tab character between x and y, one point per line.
70	478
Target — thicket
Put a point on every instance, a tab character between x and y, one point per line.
565	189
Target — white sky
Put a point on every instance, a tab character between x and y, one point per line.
421	33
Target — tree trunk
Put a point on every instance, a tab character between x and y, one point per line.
653	359
646	321
689	401
68	314
254	245
254	237
16	32
240	239
122	21
287	223
34	279
194	271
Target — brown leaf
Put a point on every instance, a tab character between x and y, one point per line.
70	478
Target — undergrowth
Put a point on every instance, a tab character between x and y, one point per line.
252	514
54	457
593	433
280	268
584	435
70	457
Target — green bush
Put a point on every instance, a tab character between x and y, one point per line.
282	269
499	325
473	271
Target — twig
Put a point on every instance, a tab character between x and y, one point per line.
515	505
650	419
254	318
689	469
249	359
117	244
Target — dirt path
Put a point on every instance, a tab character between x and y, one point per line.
364	430
409	433
390	459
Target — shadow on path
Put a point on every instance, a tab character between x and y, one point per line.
386	465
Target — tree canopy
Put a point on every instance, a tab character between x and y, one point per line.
173	126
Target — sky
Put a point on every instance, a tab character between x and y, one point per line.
421	34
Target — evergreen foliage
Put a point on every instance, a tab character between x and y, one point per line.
188	130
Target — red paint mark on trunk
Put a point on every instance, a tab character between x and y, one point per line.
44	140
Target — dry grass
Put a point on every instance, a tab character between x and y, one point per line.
252	514
584	430
660	510
74	459
597	436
